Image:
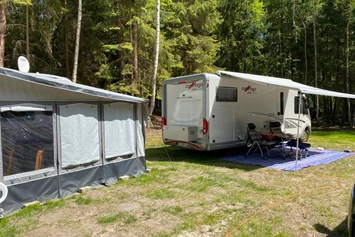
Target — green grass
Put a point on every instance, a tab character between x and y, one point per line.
164	193
83	201
110	218
203	195
6	229
335	140
173	210
123	217
51	204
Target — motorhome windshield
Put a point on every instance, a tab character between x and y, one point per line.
304	107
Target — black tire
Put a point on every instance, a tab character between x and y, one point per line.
306	135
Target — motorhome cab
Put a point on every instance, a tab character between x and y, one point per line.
210	111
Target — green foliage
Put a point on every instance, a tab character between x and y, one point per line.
22	2
269	37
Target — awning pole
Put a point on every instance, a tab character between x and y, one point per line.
298	127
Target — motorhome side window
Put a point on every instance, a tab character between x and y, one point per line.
27	141
304	109
227	94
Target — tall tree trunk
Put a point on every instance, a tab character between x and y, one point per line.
2	32
282	56
347	72
77	41
293	20
315	56
66	47
156	59
27	35
305	53
120	39
336	110
120	52
135	51
132	54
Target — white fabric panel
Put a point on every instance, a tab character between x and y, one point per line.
26	107
142	111
119	129
286	83
79	131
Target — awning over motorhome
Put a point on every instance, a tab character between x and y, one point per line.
286	83
55	88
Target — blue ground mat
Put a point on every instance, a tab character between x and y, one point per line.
315	157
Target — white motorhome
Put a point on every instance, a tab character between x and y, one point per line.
211	111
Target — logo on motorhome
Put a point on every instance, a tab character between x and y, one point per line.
194	85
249	90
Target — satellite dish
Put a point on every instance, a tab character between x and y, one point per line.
4	191
23	64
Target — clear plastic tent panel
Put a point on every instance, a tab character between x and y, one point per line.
79	134
27	141
119	130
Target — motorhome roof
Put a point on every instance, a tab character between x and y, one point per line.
282	82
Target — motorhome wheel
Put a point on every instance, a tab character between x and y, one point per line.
305	136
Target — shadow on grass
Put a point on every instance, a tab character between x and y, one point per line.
208	158
339	231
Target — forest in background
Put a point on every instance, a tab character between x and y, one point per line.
308	41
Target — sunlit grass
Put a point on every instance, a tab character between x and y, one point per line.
206	196
123	217
51	204
82	200
333	140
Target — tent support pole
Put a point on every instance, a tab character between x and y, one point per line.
298	127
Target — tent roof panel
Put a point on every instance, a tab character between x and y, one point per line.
63	83
286	83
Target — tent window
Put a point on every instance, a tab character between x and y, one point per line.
304	109
281	103
119	130
79	133
27	141
227	94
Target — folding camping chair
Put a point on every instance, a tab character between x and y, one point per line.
258	142
302	147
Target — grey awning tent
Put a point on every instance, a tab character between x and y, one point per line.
57	136
287	83
35	85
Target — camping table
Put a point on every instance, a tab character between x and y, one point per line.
283	139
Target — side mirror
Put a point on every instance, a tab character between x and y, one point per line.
307	102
